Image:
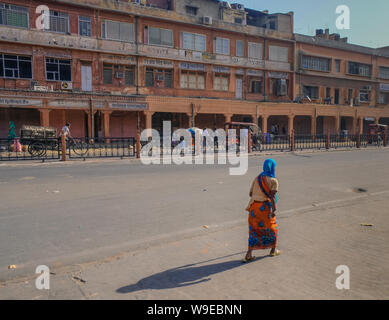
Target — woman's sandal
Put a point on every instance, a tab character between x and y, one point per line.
245	260
276	253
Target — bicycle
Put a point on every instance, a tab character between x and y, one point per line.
39	148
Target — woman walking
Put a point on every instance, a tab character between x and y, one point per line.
263	229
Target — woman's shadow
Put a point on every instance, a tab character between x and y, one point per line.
183	276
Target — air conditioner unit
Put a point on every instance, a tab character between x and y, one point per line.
238	6
281	87
119	75
66	85
207	20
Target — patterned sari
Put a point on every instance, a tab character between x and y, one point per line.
263	228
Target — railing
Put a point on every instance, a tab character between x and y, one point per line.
29	149
304	142
101	148
83	148
343	141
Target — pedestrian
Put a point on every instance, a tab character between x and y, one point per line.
66	130
263	228
11	131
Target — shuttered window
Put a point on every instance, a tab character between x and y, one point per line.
193	41
239	48
15	16
59	22
277	53
161	37
221	82
192	80
222	46
115	30
315	63
255	50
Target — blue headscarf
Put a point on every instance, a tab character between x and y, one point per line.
269	168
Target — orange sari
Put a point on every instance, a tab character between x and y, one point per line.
263	228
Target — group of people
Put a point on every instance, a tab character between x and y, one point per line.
275	130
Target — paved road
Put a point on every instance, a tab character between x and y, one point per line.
58	214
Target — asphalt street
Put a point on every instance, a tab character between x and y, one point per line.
60	214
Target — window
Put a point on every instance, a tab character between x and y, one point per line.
17	67
328	92
255	50
222	46
159	78
221	82
316	63
115	30
359	69
238	20
58	69
337	65
160	37
383	98
312	92
84	26
193	41
119	72
59	22
239	48
107	74
364	95
129	76
15	16
192	80
383	73
192	11
255	85
277	53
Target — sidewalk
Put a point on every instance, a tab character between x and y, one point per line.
314	241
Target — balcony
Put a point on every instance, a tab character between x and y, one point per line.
58	40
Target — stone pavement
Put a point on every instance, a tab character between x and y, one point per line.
314	241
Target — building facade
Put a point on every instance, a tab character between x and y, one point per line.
110	67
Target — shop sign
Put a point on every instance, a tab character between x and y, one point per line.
278	75
192	66
128	106
219	69
158	63
68	104
239	71
20	102
257	73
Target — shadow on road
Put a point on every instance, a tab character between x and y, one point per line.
183	276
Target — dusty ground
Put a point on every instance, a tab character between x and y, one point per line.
130	231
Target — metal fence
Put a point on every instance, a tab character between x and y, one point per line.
39	149
83	148
101	148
